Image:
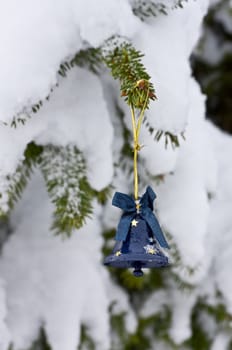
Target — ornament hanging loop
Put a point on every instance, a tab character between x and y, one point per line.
137	147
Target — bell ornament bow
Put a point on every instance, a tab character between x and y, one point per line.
128	205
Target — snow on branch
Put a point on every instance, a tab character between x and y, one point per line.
12	185
145	9
125	63
64	171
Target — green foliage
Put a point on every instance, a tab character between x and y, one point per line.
199	339
40	343
218	312
179	4
64	171
150	8
32	153
15	183
145	9
90	58
119	333
19	119
125	64
26	113
86	342
169	138
159	324
103	195
156	325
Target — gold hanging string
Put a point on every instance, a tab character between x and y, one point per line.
137	147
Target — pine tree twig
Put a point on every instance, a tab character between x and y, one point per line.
151	8
169	137
146	9
90	58
64	171
103	195
125	64
14	184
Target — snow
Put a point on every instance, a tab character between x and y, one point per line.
203	235
222	341
4	332
223	15
65	119
182	308
37	36
171	77
221	222
61	284
68	119
213	49
183	203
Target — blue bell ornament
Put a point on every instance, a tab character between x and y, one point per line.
139	237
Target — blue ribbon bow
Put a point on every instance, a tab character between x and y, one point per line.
128	205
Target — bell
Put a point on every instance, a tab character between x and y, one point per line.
139	235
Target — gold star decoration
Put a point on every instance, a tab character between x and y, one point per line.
134	223
118	253
151	250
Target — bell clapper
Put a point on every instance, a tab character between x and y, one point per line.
138	272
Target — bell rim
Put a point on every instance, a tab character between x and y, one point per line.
127	261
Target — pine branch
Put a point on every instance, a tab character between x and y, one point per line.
41	343
64	172
150	8
28	111
103	195
218	311
179	4
86	342
125	64
65	175
90	58
145	9
13	185
170	138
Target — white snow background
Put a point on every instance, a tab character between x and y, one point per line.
62	284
